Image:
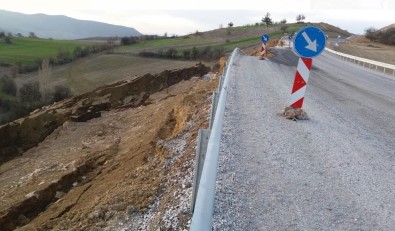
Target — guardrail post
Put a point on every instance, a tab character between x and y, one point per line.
214	104
201	148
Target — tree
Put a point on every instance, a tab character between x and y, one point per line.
194	53
186	54
64	56
129	40
230	24
300	18
110	44
19	35
2	34
44	80
77	52
171	53
284	21
382	36
7	40
29	95
370	34
267	20
32	35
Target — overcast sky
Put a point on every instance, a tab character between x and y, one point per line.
186	16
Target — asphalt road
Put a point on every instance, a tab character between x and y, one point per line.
335	171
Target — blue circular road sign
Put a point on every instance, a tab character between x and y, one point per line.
265	38
309	42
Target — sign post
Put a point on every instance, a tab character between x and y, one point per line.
309	42
265	38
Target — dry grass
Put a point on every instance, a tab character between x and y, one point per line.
362	47
89	73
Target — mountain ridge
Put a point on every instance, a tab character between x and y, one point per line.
60	26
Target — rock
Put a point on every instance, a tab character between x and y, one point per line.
295	114
59	194
22	220
85	116
32	194
96	215
27	228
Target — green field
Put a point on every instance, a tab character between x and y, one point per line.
28	50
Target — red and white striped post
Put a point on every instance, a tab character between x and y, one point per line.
300	82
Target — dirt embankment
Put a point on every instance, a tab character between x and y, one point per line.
27	132
127	168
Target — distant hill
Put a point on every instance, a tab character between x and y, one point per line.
332	31
387	27
59	26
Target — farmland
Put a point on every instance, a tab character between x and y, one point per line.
28	50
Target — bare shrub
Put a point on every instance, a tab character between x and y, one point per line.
61	92
44	80
29	95
8	85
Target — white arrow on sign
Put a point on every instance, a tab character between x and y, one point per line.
310	44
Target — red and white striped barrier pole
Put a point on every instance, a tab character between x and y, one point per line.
300	82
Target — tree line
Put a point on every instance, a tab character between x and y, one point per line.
207	53
382	36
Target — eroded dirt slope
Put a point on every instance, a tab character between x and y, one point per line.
130	169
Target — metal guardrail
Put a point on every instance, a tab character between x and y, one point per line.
363	61
204	204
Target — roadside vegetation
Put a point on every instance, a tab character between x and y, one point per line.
18	99
382	36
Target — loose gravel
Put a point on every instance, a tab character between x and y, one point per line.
335	171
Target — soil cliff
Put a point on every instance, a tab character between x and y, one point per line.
118	158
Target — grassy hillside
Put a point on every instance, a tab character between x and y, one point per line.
243	37
228	38
28	50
